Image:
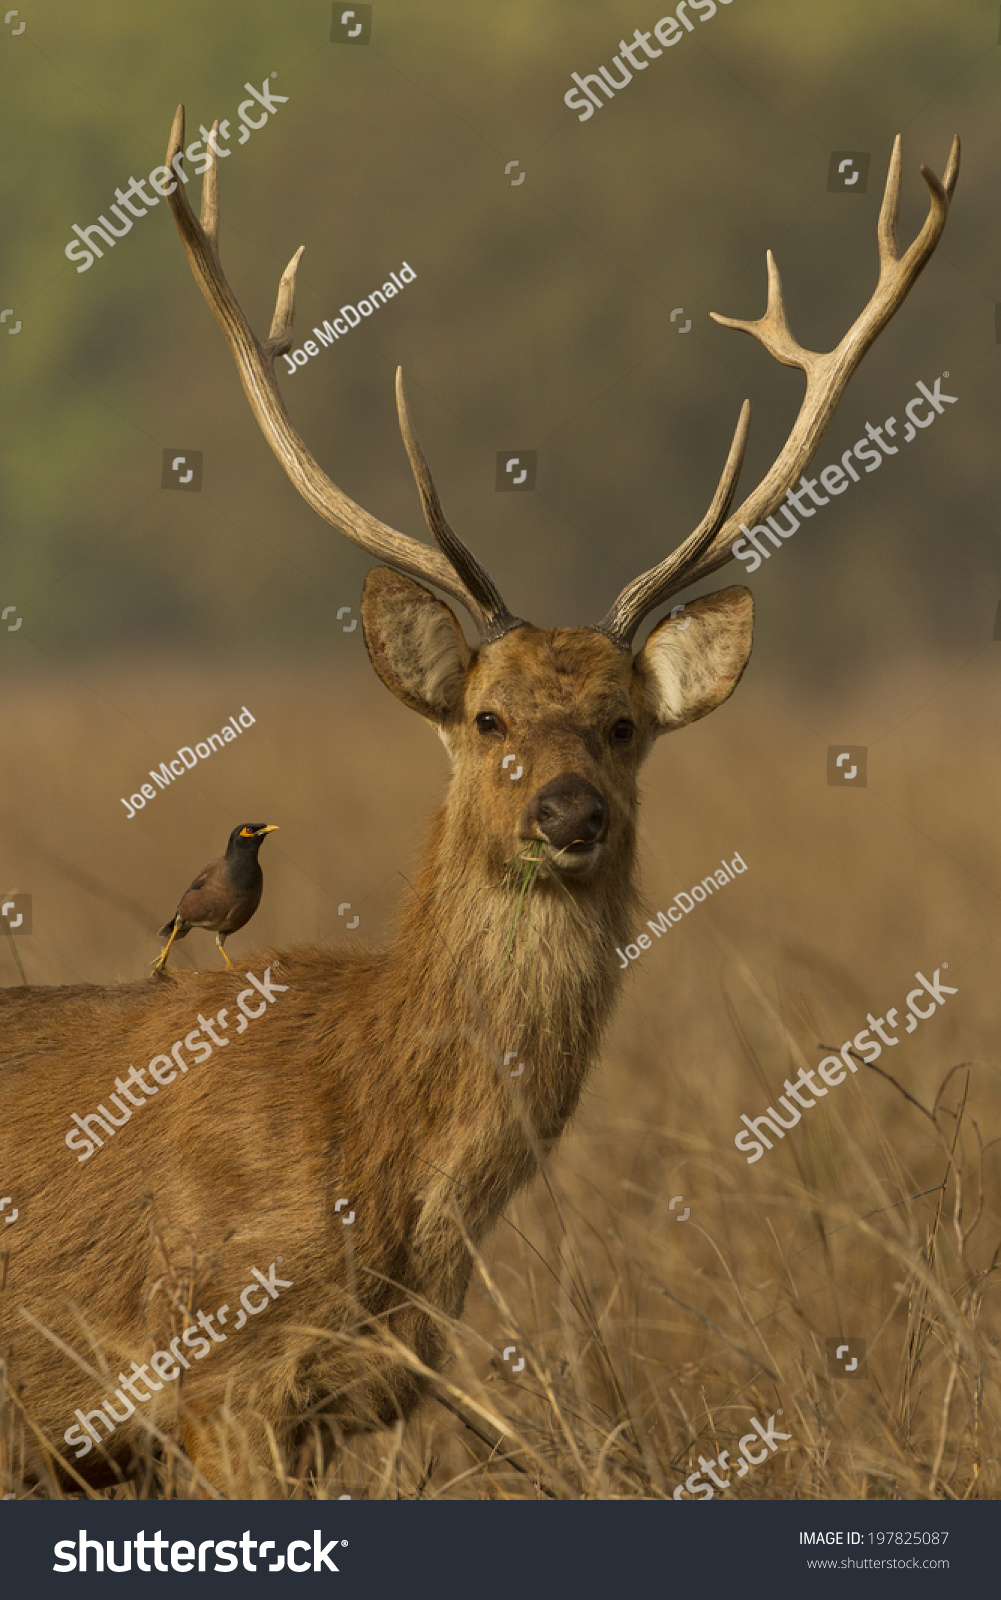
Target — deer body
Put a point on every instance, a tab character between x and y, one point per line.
379	1077
362	1137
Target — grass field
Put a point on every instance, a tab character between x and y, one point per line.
647	1340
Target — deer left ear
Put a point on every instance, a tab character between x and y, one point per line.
691	663
415	643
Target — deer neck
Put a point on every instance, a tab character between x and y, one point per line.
521	980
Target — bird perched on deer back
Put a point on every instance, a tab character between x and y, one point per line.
225	894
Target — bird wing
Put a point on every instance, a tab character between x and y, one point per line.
214	901
196	883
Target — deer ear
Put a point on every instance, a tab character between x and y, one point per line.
691	663
415	643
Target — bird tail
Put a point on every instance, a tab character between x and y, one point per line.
168	928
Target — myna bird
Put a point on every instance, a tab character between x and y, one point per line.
225	894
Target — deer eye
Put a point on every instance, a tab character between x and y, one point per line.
623	731
487	722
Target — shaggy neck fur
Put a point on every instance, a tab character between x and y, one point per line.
471	982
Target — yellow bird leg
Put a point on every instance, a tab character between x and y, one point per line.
161	960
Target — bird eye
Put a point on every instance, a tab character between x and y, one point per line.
623	731
488	722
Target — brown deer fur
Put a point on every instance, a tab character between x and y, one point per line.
378	1076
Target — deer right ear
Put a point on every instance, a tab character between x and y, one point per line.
415	643
691	664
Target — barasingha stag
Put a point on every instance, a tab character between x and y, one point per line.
376	1076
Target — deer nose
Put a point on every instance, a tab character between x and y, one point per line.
569	810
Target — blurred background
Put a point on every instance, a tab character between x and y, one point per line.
540	319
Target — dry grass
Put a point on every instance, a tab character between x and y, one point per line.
647	1341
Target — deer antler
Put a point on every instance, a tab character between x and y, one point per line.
710	546
460	575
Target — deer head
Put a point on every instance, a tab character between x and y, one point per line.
572	711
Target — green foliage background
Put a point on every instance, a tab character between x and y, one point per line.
540	317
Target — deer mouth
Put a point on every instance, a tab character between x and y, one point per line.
574	860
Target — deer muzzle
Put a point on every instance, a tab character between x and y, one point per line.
571	815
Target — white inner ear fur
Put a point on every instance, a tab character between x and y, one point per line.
425	649
445	657
691	669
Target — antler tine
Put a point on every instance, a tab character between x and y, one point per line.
827	376
772	330
210	190
255	363
280	338
647	591
499	619
200	238
886	228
